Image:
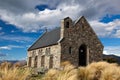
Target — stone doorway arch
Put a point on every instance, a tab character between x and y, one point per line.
82	55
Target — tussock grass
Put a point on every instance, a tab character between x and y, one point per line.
52	74
8	72
67	73
94	71
100	70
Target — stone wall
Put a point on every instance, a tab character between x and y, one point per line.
72	37
54	52
77	34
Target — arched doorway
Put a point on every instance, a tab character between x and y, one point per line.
82	55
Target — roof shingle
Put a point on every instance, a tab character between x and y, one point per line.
48	38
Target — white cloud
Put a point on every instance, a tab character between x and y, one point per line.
111	29
5	47
9	47
21	39
23	14
31	21
117	34
114	50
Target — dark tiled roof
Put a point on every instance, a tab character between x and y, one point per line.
48	38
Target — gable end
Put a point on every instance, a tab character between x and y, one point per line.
84	22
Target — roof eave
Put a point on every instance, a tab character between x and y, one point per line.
42	47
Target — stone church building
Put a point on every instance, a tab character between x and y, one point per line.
74	41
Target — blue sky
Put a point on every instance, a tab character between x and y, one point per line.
23	21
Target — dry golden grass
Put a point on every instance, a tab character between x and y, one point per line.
63	64
6	65
82	73
7	72
17	64
52	74
94	71
99	70
67	73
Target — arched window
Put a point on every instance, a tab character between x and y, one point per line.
36	61
70	50
40	52
67	24
47	51
51	62
43	61
29	61
34	53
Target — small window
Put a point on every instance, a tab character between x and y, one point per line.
43	61
70	50
39	51
34	53
67	24
36	61
47	51
29	61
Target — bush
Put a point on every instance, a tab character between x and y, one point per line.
110	60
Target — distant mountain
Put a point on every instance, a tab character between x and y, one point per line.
23	62
14	61
11	61
112	56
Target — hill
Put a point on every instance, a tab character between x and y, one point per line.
114	57
23	62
